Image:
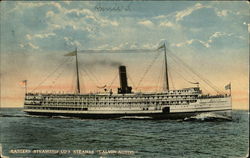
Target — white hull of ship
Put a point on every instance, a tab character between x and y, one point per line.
221	106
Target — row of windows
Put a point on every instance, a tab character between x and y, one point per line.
118	104
122	102
111	102
58	108
128	100
97	99
111	97
87	103
32	103
116	97
73	95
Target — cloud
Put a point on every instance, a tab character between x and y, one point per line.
89	20
222	13
52	21
41	36
28	46
205	44
71	42
57	5
210	40
223	34
32	46
128	46
80	13
125	45
217	35
150	46
147	23
159	17
166	24
20	5
181	14
50	14
88	17
81	24
188	42
114	23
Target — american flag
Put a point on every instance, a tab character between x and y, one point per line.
228	86
23	83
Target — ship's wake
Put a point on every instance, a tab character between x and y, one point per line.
208	117
136	117
12	115
20	115
64	117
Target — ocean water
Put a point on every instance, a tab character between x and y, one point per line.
29	136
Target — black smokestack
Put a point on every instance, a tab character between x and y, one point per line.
124	88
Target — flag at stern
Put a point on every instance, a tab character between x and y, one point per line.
71	53
228	86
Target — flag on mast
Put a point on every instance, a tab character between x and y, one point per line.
228	86
23	83
162	46
71	53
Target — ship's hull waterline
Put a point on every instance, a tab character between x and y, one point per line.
156	116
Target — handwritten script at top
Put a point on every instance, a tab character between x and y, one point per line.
113	8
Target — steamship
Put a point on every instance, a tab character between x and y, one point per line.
168	104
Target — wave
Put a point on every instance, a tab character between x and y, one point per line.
38	116
12	115
64	117
20	115
208	117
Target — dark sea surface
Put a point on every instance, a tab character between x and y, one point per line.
72	137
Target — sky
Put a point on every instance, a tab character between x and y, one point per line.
211	37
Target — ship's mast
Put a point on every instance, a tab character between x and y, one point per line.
77	76
166	87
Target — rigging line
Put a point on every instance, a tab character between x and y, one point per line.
131	80
184	78
148	68
56	78
64	61
93	75
178	73
82	83
113	81
161	88
119	51
203	87
73	86
180	70
160	75
196	73
72	83
171	79
159	78
60	73
87	74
